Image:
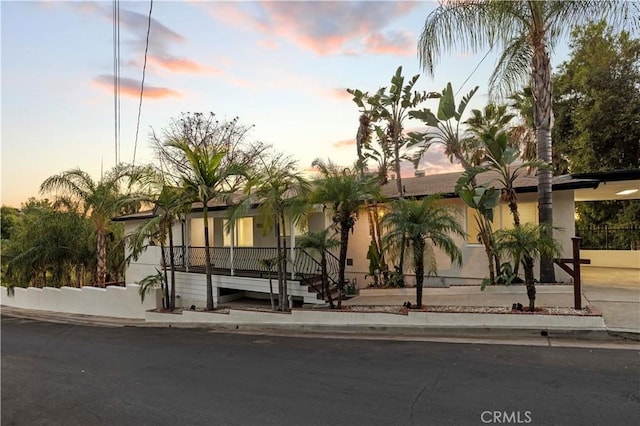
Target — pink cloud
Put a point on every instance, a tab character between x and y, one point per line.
130	87
176	64
268	44
322	27
393	43
339	93
346	143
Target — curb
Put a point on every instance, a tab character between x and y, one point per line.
365	331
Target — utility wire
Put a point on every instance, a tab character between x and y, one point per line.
115	82
474	70
144	68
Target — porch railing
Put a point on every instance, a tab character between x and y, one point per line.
249	261
606	238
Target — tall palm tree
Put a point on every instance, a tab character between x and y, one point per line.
342	191
101	200
423	225
525	244
169	205
279	190
525	31
321	243
205	178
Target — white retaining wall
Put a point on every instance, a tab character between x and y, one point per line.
118	302
612	258
412	319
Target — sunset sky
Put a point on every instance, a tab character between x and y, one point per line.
281	66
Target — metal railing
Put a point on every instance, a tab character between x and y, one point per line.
250	261
606	238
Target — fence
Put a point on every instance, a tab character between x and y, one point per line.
606	238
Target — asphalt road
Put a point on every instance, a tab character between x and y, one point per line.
59	374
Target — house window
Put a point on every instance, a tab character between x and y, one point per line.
502	219
528	213
472	226
299	228
243	233
196	232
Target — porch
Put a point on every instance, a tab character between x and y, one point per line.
249	270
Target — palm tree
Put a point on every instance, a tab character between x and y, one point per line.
424	225
525	31
169	205
278	189
205	178
101	200
525	244
321	243
342	191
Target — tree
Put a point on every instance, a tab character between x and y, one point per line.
342	191
483	199
444	129
48	247
392	108
204	179
524	31
423	225
209	159
321	243
597	97
500	155
169	205
278	189
101	200
525	244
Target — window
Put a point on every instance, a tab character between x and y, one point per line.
472	226
300	229
528	213
243	233
196	232
502	219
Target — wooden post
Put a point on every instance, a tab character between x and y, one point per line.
577	292
575	272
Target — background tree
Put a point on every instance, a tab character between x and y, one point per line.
100	200
342	191
597	100
423	225
48	247
524	31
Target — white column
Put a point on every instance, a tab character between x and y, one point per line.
233	243
187	242
292	231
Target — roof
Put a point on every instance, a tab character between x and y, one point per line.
445	183
423	186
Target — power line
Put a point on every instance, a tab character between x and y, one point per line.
144	68
474	70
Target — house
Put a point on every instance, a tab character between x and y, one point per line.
239	272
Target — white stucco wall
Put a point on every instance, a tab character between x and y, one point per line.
475	266
118	302
612	258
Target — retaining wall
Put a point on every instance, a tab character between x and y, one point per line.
118	302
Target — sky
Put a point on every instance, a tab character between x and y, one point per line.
282	67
